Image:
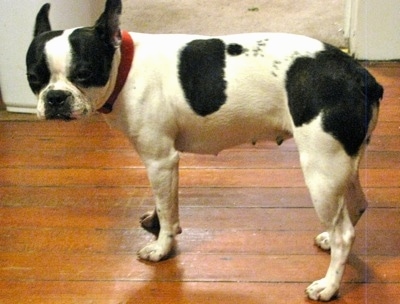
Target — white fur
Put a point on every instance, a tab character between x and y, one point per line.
327	170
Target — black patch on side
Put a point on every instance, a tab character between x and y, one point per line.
235	49
201	73
38	73
335	84
91	58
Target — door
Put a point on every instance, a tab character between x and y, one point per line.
373	29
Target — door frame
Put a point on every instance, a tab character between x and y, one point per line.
373	29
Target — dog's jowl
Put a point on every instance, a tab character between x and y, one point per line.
200	94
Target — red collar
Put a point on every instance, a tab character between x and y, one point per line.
127	52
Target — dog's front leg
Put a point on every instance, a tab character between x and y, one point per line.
162	169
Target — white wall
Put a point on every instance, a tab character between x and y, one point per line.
374	29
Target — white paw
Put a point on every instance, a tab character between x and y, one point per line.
323	241
154	252
322	291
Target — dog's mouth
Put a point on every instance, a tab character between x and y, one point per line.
66	114
60	116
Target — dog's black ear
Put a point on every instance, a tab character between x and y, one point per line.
42	24
108	24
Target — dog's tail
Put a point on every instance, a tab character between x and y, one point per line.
373	91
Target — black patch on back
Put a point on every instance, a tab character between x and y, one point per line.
235	49
335	84
202	76
38	73
91	58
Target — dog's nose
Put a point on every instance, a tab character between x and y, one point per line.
57	98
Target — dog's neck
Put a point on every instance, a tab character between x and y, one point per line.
127	52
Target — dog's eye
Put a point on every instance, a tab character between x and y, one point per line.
35	82
82	76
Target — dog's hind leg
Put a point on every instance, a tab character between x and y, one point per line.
355	199
328	170
356	203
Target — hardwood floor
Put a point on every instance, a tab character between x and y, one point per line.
71	195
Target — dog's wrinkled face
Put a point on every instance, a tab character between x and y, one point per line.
72	72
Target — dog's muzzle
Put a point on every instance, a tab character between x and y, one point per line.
58	105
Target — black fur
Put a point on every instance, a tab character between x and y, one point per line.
42	23
107	26
201	73
91	58
235	49
37	70
333	83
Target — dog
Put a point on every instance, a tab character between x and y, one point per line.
188	93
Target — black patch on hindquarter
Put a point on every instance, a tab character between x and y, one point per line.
201	73
335	84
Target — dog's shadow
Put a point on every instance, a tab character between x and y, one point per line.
360	280
362	276
173	290
179	289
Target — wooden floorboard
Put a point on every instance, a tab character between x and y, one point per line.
71	195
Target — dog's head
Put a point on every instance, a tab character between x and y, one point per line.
72	72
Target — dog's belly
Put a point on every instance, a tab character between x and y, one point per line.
214	142
210	135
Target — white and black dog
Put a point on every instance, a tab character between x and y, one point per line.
185	93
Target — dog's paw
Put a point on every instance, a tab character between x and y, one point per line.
154	252
323	241
321	290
